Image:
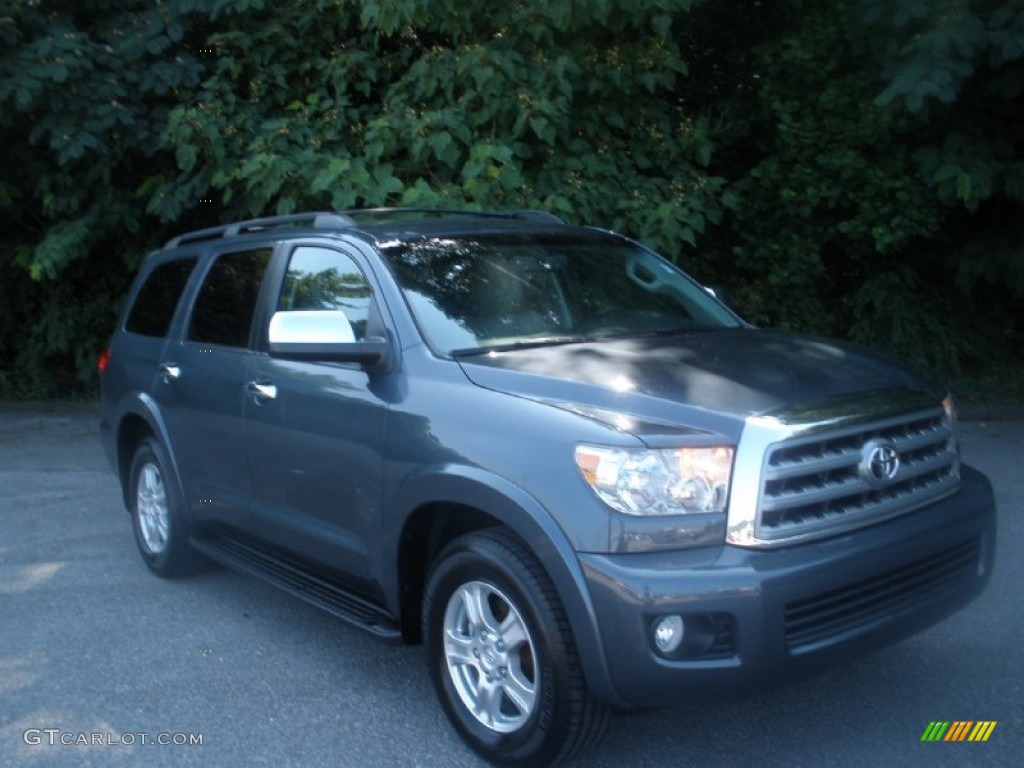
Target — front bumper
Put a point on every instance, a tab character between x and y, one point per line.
784	613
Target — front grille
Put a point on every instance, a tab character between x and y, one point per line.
830	614
812	485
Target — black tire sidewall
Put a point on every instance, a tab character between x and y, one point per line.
537	741
171	559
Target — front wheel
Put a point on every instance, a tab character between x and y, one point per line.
502	657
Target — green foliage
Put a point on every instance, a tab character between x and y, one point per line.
884	318
876	163
441	103
84	93
956	68
853	169
832	197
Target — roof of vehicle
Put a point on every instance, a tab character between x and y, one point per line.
385	223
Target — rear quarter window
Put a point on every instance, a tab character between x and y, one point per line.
158	298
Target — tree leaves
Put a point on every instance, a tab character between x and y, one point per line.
810	157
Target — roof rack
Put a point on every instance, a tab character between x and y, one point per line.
314	219
346	219
532	215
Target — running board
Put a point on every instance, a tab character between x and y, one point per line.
296	578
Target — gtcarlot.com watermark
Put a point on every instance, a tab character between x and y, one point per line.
55	736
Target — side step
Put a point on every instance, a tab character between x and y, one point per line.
296	578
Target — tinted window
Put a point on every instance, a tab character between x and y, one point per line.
224	307
158	298
321	278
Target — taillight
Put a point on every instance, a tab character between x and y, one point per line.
104	358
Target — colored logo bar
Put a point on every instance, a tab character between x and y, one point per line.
959	730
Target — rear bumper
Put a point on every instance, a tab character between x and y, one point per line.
777	615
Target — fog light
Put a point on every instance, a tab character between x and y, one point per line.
668	633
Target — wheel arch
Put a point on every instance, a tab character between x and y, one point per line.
137	422
438	506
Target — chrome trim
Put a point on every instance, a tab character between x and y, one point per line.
759	433
905	421
320	326
261	391
170	371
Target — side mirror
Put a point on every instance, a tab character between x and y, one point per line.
324	336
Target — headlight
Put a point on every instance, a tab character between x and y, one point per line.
679	481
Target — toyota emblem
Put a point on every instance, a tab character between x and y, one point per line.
879	463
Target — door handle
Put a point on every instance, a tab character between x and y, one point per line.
170	371
262	391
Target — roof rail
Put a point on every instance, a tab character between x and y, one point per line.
546	216
345	219
314	219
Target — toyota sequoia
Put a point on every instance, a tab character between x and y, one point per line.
542	451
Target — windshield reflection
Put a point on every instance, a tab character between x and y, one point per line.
482	293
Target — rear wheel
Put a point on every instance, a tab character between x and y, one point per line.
161	530
502	657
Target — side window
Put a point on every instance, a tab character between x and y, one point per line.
224	307
322	278
154	306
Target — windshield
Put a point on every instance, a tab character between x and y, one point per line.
480	293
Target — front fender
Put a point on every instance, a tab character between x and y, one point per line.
520	512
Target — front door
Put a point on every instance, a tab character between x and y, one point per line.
314	432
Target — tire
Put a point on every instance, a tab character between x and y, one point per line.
161	529
498	642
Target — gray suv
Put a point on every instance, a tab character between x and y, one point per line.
541	450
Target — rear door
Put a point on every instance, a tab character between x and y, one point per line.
201	384
315	431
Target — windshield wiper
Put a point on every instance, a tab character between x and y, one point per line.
658	332
546	341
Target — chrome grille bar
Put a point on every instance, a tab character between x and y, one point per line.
819	479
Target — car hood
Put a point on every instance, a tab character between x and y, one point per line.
703	381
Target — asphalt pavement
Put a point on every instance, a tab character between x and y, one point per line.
93	648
